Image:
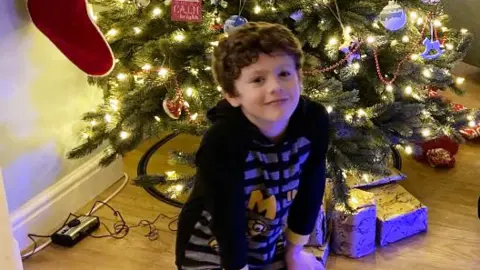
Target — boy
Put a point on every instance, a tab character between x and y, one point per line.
261	165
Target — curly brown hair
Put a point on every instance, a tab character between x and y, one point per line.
243	47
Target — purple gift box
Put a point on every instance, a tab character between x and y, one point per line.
399	214
353	234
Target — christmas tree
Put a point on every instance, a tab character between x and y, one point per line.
371	63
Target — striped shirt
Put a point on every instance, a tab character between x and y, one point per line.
251	195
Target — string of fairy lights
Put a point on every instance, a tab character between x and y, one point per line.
164	72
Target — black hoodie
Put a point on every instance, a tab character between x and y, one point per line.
249	190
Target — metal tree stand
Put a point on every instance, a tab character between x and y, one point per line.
142	169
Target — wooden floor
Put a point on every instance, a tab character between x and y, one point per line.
452	242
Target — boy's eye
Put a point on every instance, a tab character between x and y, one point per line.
285	74
258	80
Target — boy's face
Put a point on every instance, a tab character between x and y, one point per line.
268	90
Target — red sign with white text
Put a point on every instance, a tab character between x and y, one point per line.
186	10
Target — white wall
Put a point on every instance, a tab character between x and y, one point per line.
464	14
42	96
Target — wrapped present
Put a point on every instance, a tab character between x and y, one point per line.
319	235
353	233
320	252
470	132
457	107
358	179
440	158
399	214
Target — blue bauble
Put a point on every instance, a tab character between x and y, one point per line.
233	22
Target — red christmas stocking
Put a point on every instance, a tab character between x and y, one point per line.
67	24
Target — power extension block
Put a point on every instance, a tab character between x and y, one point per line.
75	230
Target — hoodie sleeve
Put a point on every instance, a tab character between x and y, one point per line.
219	167
306	205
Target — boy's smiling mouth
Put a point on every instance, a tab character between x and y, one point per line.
278	101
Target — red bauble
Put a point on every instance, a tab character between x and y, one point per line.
67	25
173	107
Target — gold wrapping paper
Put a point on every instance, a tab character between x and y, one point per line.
399	214
353	234
320	252
360	180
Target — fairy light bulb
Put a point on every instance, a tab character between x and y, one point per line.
463	31
112	32
444	29
472	124
257	9
85	135
371	39
426	132
157	118
333	41
186	104
147	67
121	76
356	66
194	116
163	72
348	30
408	90
376	25
170	174
114	104
108	118
124	135
437	23
413	15
348	117
214	43
156	12
419	21
427	73
389	88
189	91
460	80
219	88
470	117
179	37
405	39
414	56
361	112
137	30
449	46
408	150
93	123
179	188
329	109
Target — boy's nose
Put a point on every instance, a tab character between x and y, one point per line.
275	85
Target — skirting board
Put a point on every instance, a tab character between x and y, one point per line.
47	211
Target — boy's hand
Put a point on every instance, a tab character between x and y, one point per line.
302	261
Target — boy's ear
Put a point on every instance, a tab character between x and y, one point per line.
233	100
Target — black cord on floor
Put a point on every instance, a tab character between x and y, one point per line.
120	228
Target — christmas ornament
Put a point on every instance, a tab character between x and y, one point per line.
393	16
348	47
142	3
233	22
297	16
69	27
186	10
431	2
222	3
440	158
173	107
432	45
